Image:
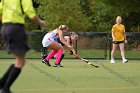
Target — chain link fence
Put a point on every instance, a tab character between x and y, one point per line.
91	45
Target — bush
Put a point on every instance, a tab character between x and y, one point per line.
91	42
35	41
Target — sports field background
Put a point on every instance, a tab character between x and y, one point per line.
77	77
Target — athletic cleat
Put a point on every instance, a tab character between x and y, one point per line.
46	62
1	86
57	65
96	66
112	61
125	61
5	91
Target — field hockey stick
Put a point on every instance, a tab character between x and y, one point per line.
85	60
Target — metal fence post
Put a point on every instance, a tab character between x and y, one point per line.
76	47
110	47
106	47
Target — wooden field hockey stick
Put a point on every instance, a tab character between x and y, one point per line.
85	60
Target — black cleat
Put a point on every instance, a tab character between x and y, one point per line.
125	61
1	86
46	62
57	65
5	91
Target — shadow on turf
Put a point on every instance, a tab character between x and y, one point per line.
53	77
121	76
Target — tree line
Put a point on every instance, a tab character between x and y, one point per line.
87	15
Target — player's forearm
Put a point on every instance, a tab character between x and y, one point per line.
39	22
68	42
113	36
64	42
125	36
36	20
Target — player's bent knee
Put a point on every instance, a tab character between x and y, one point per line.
19	64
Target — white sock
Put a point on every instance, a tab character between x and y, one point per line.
112	58
123	58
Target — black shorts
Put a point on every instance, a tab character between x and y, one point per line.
118	42
15	38
58	41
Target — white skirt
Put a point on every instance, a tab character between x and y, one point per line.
47	41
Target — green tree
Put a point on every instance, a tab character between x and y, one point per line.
129	10
105	12
67	12
101	15
125	5
88	15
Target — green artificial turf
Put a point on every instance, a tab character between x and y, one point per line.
76	77
94	54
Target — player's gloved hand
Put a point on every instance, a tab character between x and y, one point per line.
85	60
71	52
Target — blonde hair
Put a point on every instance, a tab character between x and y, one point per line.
63	27
118	17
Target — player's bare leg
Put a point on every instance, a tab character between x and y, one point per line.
114	47
12	73
123	53
56	49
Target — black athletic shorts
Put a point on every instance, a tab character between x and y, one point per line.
15	38
58	41
118	42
